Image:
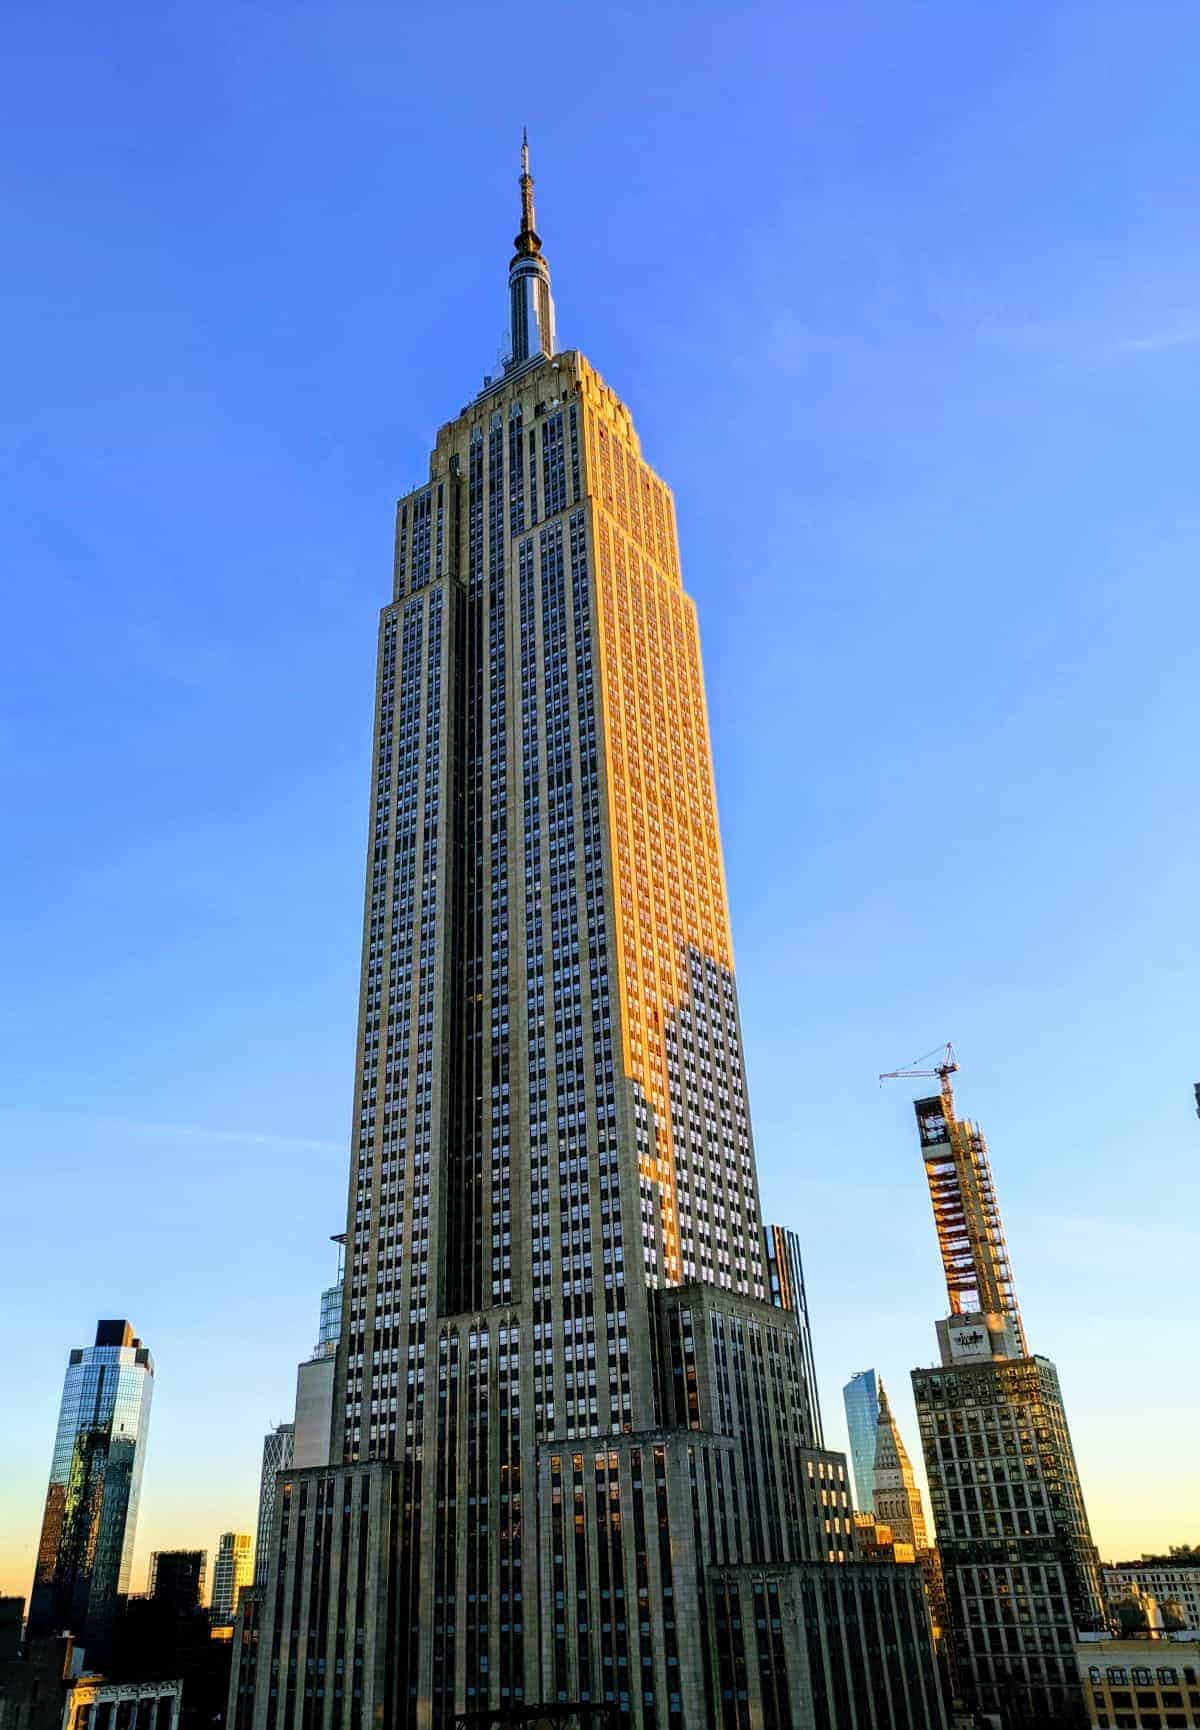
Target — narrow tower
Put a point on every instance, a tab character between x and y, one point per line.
1021	1571
786	1288
278	1453
967	1217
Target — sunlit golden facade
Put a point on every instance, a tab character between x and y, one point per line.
672	922
562	1395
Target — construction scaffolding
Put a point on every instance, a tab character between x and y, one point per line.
965	1210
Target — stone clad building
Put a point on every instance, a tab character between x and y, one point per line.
897	1495
573	1402
1172	1581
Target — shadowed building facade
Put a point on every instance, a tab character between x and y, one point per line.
53	1688
177	1579
12	1622
786	1289
566	1390
1020	1569
86	1547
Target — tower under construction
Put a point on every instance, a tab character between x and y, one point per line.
1021	1571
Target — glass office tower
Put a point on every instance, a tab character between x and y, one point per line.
88	1527
860	1396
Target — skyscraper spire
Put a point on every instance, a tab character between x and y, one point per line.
528	240
531	305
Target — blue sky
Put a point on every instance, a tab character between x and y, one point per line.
905	299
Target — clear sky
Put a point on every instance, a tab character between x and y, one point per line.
905	298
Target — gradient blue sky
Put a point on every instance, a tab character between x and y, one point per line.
905	298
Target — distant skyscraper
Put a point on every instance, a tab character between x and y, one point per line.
329	1327
232	1570
314	1380
304	1442
860	1396
88	1527
897	1498
564	1398
278	1448
177	1579
1021	1571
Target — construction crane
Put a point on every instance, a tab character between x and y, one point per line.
943	1071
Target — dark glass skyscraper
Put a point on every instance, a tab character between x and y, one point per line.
564	1397
88	1527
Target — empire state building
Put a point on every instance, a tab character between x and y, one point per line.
573	1406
